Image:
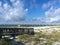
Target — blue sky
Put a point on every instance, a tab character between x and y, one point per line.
29	11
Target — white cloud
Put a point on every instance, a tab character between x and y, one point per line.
0	3
53	15
38	20
46	5
12	1
49	4
12	12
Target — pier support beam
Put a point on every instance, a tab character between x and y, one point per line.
0	36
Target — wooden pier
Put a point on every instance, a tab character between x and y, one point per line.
13	31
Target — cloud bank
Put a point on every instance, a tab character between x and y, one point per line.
12	12
53	13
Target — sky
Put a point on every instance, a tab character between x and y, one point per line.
29	11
